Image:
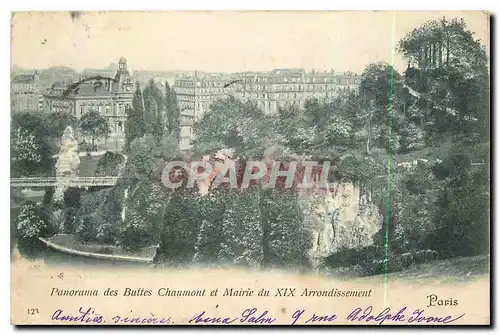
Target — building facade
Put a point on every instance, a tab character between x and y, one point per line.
110	97
25	95
270	90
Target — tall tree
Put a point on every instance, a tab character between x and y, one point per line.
150	113
287	237
154	104
455	88
145	210
181	225
173	111
209	237
134	125
94	126
242	230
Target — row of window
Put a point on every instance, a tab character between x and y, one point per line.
121	109
289	95
274	79
300	79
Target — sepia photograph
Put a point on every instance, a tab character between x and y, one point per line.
173	153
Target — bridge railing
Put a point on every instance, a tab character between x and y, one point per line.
64	181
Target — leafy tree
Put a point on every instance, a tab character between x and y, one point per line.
31	153
57	123
462	212
294	128
233	124
442	43
94	126
383	98
32	223
412	138
135	123
452	78
25	150
145	156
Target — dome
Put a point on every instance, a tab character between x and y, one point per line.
123	60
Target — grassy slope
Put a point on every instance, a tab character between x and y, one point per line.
456	270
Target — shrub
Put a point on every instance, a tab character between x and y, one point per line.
33	222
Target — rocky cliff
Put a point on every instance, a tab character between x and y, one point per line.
342	217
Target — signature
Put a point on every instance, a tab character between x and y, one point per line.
417	316
248	316
90	316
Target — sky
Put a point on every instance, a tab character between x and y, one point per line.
228	41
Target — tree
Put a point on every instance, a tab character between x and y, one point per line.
135	124
58	121
154	105
25	150
94	126
242	230
452	78
441	43
109	164
145	212
181	225
144	157
31	223
31	152
462	210
233	124
209	237
287	238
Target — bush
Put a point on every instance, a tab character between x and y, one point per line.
34	221
371	260
88	226
135	237
109	164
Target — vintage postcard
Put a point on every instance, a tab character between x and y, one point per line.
250	168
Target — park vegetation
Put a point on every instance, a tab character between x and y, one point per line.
436	112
